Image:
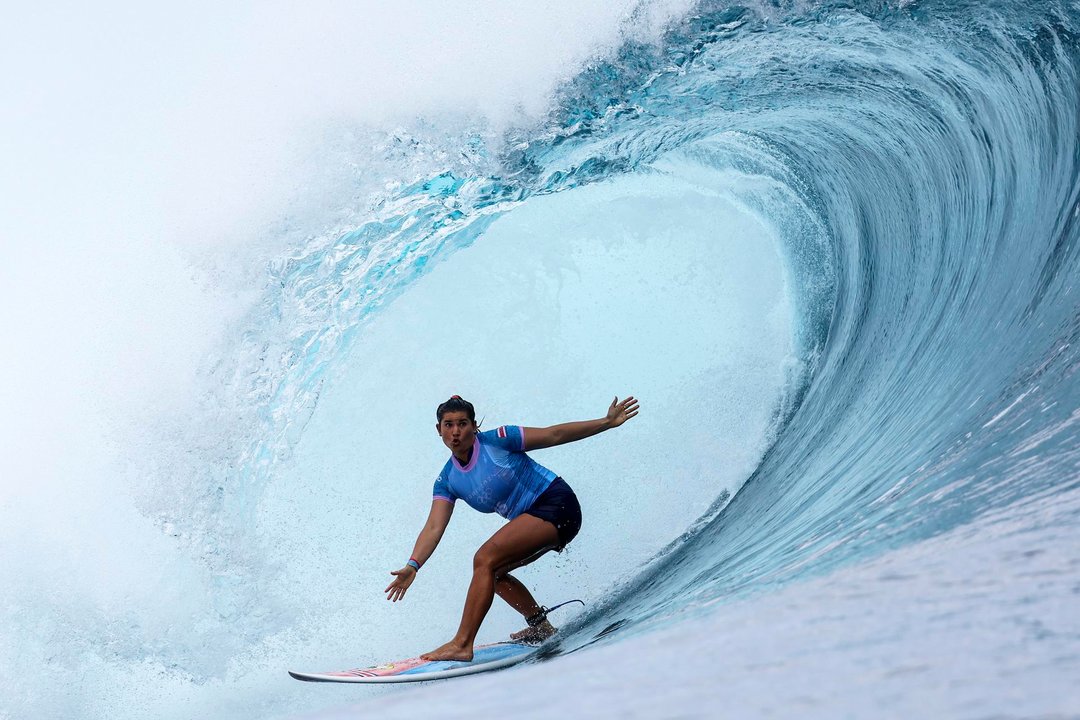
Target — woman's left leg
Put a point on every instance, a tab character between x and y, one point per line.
518	540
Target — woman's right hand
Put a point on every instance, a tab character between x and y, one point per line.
403	578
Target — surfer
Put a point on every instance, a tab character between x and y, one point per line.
491	472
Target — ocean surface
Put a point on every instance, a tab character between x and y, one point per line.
833	248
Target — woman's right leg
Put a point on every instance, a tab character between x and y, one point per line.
520	541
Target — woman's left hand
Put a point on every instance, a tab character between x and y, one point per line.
620	412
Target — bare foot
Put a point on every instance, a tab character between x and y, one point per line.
449	651
537	634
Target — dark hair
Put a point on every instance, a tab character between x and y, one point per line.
456	404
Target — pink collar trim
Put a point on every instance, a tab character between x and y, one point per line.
472	460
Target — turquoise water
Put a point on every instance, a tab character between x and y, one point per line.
833	248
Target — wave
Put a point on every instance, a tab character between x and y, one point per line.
922	177
891	305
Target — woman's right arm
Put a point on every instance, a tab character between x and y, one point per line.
429	538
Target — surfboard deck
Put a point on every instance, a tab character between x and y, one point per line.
485	658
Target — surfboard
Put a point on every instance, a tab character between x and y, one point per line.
485	658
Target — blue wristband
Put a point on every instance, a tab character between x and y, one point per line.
413	564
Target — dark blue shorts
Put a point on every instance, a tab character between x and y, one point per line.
559	506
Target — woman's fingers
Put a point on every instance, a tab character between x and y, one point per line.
620	412
396	590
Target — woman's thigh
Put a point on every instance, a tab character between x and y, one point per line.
517	543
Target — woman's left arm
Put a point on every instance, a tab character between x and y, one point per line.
617	414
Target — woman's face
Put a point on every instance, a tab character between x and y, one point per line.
457	431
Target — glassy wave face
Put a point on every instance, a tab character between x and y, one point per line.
936	146
915	167
919	165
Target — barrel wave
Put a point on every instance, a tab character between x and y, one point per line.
835	249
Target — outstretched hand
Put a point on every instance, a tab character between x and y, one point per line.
402	580
620	412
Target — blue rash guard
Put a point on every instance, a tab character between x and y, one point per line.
499	478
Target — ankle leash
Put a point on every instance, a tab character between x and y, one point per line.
538	619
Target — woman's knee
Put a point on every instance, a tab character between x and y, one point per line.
485	559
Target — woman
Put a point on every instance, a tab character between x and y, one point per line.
491	472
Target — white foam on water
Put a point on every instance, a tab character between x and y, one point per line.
976	622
